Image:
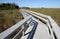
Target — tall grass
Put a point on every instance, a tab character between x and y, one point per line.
53	12
9	18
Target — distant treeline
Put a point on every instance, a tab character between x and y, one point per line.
7	6
25	8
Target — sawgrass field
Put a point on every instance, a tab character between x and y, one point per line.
9	18
53	12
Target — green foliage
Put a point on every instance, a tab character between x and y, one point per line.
7	6
25	8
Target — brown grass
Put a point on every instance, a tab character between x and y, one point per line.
53	12
9	18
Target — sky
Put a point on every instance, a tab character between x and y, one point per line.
35	3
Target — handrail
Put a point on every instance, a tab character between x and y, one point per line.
55	27
39	14
10	31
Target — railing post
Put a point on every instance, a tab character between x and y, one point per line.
23	32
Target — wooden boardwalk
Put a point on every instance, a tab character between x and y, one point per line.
33	26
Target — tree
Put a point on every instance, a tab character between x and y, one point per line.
7	6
